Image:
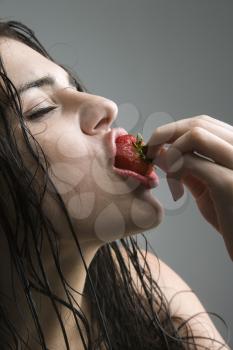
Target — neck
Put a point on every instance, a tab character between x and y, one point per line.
74	271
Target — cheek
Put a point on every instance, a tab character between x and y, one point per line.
63	142
70	146
69	160
71	175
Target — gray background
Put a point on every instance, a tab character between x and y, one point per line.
159	61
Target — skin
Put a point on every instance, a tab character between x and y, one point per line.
102	205
74	139
210	180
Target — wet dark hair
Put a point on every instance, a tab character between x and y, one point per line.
125	319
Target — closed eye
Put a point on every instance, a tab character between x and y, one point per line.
40	112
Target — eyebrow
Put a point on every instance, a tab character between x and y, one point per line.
47	80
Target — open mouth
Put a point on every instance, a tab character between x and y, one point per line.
127	166
149	181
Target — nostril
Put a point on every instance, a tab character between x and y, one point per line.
102	122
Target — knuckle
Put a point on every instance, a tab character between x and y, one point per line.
197	134
205	117
197	122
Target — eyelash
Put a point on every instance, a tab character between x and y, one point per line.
40	112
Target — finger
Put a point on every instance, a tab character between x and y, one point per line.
195	185
226	223
215	177
170	132
203	142
216	121
203	199
219	182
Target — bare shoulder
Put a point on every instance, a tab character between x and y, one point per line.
183	301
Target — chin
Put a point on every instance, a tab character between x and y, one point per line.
130	214
146	211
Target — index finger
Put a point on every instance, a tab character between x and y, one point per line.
168	133
165	134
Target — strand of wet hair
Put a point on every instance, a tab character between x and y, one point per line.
19	112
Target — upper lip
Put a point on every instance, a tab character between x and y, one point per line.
112	135
150	182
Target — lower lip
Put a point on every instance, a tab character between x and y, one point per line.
149	181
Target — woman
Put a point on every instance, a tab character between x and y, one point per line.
72	274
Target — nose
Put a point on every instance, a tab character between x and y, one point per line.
95	113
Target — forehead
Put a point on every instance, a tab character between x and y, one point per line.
22	63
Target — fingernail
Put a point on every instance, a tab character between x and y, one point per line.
159	159
152	151
176	188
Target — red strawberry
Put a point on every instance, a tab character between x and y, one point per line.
130	154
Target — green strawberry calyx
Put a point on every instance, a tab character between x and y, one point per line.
141	149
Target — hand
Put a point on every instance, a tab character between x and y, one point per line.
200	156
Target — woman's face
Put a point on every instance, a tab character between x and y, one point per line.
75	135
